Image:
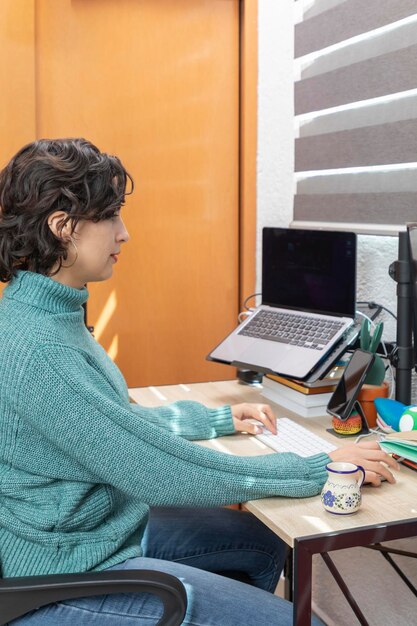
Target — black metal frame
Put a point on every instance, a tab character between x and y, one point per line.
403	356
305	547
18	596
386	552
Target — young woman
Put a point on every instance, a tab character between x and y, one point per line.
88	481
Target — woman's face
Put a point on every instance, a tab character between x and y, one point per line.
93	250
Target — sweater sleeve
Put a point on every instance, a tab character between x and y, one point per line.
73	405
189	419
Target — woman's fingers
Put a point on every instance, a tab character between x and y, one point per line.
373	479
259	412
246	427
267	417
380	470
369	455
374	449
382	457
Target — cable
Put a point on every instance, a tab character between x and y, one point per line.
248	298
375	305
249	310
372	323
372	431
246	313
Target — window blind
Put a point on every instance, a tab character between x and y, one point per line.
356	114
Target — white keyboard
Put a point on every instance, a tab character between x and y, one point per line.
292	437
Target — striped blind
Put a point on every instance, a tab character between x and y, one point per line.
356	114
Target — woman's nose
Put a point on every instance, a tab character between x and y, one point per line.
123	234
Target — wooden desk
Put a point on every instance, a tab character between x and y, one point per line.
389	512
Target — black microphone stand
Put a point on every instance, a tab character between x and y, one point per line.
402	357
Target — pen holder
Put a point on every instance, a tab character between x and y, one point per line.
367	396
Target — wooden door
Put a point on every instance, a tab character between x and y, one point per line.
157	83
17	77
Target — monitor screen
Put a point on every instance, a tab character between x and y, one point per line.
309	270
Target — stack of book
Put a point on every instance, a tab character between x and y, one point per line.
307	400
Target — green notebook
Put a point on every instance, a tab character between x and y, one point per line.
402	444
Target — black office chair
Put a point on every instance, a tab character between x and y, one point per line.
18	596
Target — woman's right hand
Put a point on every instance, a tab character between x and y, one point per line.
369	455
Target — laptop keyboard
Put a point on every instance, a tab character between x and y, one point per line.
292	437
297	330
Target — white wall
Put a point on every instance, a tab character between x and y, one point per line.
276	156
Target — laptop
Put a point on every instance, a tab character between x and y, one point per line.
308	303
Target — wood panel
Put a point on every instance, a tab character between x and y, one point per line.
158	84
17	77
248	147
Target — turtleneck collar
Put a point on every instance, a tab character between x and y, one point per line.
45	293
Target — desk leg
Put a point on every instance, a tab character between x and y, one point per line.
315	544
303	570
288	576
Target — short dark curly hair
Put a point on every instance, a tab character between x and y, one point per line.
49	175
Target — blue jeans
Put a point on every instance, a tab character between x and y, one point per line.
192	544
224	541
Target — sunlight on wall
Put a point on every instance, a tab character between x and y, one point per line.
101	325
105	315
114	347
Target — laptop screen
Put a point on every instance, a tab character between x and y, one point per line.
309	270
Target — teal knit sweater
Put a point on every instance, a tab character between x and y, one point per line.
79	465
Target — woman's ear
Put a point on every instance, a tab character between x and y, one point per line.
58	225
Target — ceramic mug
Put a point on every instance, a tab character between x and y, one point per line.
341	493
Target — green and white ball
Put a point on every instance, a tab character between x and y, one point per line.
408	420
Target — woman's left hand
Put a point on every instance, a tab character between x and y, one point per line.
241	413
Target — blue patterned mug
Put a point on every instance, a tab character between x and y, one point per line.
341	493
